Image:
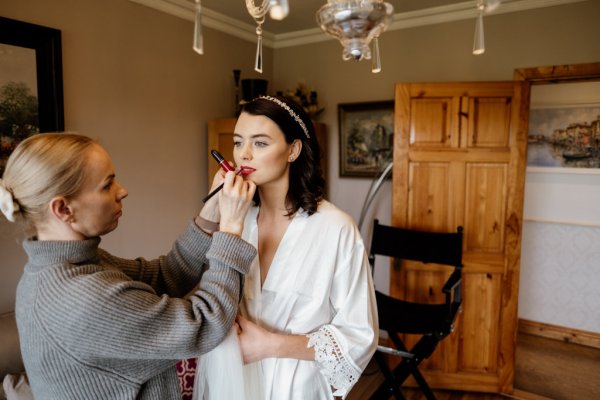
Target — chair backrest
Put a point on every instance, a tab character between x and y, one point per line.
428	247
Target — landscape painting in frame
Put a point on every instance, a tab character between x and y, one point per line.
18	98
31	96
366	137
564	136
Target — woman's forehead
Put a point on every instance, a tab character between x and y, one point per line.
253	125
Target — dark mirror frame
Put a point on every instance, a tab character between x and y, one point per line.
48	54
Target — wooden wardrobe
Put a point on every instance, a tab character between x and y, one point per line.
459	159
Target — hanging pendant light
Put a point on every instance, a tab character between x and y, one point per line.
376	64
277	9
483	6
479	40
198	41
355	23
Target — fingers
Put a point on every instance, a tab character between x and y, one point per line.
239	186
234	201
241	321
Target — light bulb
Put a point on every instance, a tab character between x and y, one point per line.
279	9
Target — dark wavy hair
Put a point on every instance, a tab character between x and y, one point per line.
306	184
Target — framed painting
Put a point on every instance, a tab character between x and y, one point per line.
31	92
366	137
563	178
565	136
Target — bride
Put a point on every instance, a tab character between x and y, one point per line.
308	322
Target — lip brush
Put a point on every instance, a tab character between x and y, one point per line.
217	189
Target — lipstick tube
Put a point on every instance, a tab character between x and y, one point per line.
221	160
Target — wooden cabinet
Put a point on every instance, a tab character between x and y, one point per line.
459	159
220	137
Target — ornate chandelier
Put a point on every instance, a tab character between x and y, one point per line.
355	23
277	9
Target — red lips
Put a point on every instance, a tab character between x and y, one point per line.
245	170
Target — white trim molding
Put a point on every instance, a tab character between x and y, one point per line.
435	15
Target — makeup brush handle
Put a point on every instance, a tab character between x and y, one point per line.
211	194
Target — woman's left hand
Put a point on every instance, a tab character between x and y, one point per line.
257	343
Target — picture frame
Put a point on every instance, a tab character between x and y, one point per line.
366	137
31	73
562	195
565	136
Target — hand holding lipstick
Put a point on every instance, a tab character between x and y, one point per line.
225	166
234	201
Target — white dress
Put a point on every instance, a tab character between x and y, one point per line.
319	284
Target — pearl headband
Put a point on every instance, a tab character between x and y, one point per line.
290	111
8	205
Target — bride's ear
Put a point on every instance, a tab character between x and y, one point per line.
295	149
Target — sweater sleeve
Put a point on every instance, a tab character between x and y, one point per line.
96	314
174	274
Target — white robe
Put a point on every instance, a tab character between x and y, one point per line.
319	284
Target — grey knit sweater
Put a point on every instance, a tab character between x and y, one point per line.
94	326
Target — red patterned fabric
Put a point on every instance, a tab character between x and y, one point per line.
186	370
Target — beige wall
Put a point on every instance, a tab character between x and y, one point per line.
131	79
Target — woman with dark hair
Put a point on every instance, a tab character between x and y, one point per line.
308	323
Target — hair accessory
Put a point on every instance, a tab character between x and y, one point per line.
290	111
8	206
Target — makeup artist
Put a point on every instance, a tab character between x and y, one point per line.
309	319
96	326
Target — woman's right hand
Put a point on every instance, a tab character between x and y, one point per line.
234	201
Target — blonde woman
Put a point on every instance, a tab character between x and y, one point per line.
96	326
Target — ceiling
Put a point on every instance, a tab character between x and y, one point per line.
300	26
302	12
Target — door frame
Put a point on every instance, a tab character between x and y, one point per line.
543	76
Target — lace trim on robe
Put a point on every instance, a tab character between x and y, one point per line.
332	363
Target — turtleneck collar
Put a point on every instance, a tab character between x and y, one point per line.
44	252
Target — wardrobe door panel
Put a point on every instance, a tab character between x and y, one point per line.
459	159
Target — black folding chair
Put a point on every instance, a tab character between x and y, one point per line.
433	321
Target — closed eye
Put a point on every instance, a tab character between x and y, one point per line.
109	183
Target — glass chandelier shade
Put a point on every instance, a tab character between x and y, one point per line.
355	23
482	6
479	39
198	45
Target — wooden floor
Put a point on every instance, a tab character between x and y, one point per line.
546	369
558	370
